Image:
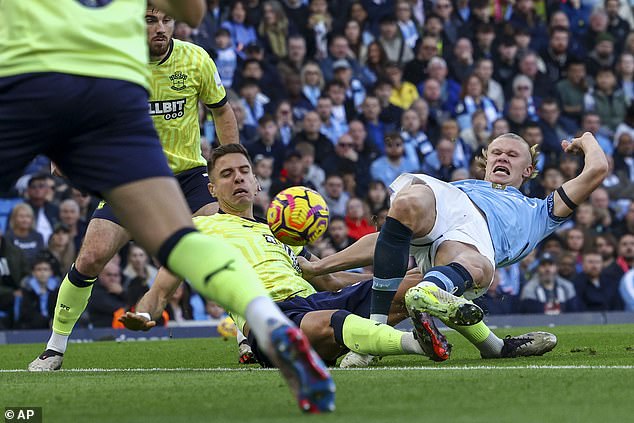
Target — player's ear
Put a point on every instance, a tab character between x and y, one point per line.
210	187
528	171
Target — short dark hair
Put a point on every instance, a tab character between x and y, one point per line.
38	177
223	150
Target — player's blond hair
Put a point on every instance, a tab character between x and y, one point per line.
481	161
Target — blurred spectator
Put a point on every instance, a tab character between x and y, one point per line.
449	88
374	61
525	16
357	219
499	127
450	22
21	233
485	37
294	61
522	87
253	101
406	24
292	174
69	217
319	25
108	295
391	39
311	134
330	127
548	293
248	133
528	64
285	123
370	110
348	160
555	56
378	197
517	113
338	233
572	89
46	213
242	33
404	93
39	294
274	29
62	247
440	164
13	268
178	307
463	62
387	168
390	114
139	266
607	100
554	128
596	294
342	108
612	274
472	98
87	204
477	135
335	196
415	71
354	90
494	301
312	172
484	69
415	141
268	144
226	58
625	75
340	50
602	55
264	172
312	82
505	62
606	245
204	34
591	122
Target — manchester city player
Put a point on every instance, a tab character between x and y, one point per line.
459	232
74	86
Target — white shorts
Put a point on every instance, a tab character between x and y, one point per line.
460	221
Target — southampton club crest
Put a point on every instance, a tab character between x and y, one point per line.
178	81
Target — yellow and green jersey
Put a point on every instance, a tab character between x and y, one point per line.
274	262
187	74
96	38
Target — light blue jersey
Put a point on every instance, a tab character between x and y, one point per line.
517	223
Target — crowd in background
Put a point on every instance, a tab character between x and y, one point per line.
343	96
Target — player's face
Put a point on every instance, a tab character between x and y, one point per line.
508	162
233	182
160	28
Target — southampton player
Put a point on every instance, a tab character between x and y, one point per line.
334	320
459	232
182	74
76	71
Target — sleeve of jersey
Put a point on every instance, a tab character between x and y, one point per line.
548	208
212	92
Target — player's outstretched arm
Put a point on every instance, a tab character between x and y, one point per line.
226	124
189	11
594	171
152	303
359	254
332	281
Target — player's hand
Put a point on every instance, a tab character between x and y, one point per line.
308	267
134	321
576	145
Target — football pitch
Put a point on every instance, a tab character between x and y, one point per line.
589	377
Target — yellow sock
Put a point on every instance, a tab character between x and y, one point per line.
71	303
367	337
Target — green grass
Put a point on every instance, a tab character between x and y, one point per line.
463	389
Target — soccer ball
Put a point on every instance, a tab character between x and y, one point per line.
298	216
227	328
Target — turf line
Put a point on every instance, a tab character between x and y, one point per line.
371	369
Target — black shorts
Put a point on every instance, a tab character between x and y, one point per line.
193	183
97	130
355	299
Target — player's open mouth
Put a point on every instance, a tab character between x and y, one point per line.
501	169
240	191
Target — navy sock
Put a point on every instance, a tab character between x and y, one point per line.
391	257
453	278
336	322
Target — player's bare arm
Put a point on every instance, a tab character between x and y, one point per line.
333	281
594	171
359	254
188	11
226	125
153	302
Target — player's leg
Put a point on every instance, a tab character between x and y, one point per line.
412	213
103	239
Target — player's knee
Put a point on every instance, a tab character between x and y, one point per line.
411	204
481	271
91	261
